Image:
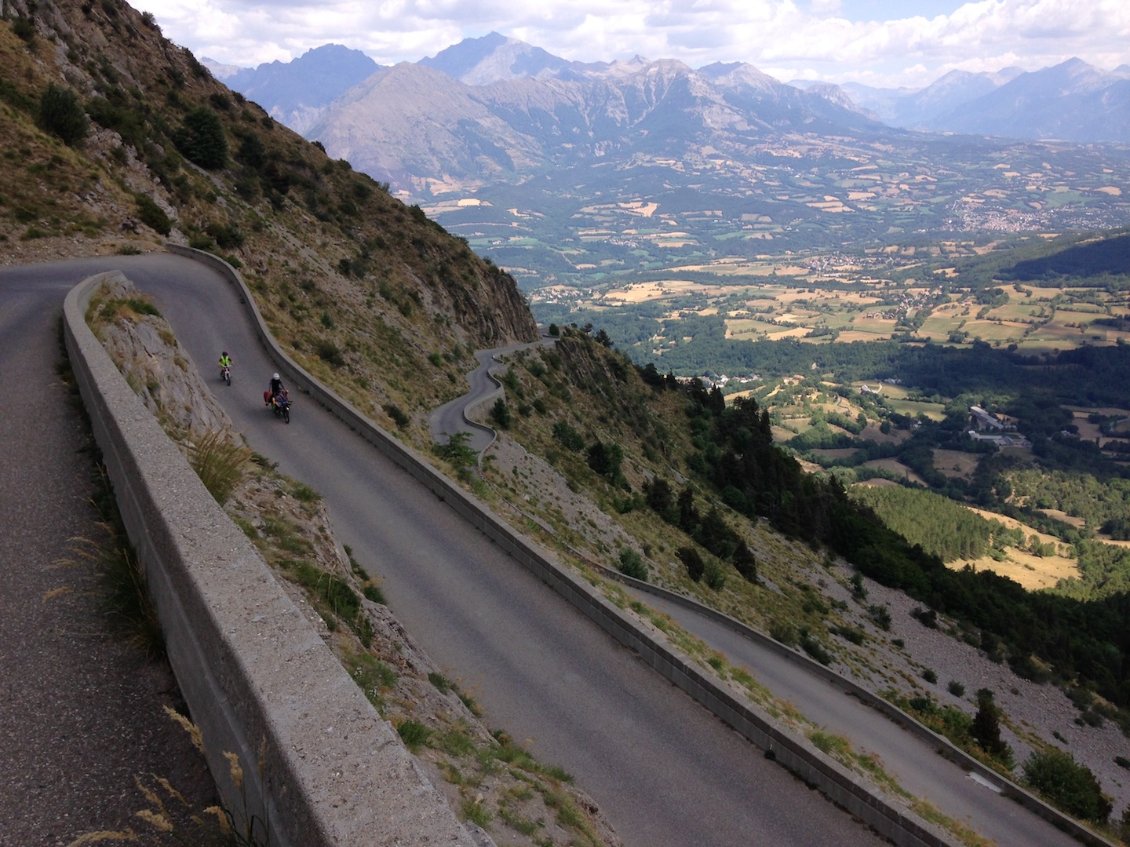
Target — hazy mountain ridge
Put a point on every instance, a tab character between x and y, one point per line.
298	91
1071	101
419	130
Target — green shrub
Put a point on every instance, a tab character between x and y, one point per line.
631	564
152	215
458	453
850	633
24	29
330	353
500	413
201	139
815	649
61	115
693	562
1067	784
745	562
881	615
397	414
413	734
714	576
783	631
568	437
227	236
985	728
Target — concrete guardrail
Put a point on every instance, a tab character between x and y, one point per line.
319	765
942	745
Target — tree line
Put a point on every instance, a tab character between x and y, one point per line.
735	457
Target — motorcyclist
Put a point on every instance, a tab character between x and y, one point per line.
274	389
225	361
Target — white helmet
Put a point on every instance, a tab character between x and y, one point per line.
274	376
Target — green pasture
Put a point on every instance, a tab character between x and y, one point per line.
1077	316
914	408
938	327
995	332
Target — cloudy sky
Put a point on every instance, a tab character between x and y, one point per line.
879	42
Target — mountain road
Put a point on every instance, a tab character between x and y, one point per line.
664	771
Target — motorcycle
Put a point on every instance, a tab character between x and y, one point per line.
280	404
225	374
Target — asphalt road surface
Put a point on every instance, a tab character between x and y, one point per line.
663	770
912	763
80	709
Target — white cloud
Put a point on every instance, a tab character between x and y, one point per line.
786	38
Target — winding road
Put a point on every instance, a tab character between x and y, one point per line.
663	770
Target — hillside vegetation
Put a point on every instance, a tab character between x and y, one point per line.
115	140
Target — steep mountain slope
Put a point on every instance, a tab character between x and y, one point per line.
298	91
116	139
413	125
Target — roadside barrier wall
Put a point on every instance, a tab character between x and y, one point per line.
898	824
942	745
319	765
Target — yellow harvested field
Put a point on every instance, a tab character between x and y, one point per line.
643	292
863	335
798	332
1063	517
640	208
1031	572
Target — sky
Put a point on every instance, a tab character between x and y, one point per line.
884	43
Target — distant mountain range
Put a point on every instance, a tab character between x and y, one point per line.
494	108
1072	101
570	171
